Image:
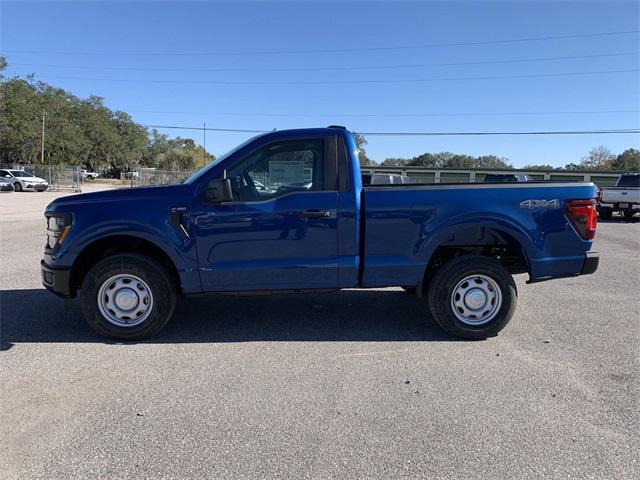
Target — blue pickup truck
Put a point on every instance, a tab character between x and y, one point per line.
286	212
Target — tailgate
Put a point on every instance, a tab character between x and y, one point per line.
621	195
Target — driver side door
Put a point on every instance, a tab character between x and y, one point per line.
280	230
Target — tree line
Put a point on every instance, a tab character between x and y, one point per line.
598	158
82	132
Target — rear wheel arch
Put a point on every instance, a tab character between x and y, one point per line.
110	245
505	246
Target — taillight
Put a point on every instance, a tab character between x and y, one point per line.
583	217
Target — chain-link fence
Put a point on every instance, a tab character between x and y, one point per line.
153	176
59	177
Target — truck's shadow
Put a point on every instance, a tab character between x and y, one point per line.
358	315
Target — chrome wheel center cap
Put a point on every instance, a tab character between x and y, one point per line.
475	298
126	299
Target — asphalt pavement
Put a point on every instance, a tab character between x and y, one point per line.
358	384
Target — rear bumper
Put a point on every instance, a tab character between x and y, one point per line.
57	280
591	261
616	206
565	268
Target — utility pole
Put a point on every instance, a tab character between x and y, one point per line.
42	144
204	146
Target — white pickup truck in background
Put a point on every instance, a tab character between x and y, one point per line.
623	198
87	174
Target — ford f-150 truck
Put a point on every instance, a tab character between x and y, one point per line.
624	197
312	227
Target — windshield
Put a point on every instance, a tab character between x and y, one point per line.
193	178
20	173
629	181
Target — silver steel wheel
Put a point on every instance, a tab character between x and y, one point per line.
125	300
476	300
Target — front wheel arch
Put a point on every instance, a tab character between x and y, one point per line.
119	244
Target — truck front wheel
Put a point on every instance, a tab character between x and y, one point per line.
127	297
472	297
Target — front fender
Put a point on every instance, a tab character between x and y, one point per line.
179	249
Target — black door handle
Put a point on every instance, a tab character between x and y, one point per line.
314	214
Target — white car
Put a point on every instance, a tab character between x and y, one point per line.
6	185
88	174
24	181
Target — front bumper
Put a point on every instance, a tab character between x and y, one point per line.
57	280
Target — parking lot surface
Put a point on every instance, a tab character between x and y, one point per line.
358	384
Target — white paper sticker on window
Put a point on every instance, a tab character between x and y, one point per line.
286	172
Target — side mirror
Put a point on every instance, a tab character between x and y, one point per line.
218	191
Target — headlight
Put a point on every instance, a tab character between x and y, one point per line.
58	228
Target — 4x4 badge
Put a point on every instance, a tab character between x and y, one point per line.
555	203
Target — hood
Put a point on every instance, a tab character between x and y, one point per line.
31	179
124	194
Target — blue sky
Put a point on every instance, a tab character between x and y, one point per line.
78	45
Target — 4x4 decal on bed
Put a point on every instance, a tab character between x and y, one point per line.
555	203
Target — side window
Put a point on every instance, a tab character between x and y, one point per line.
278	169
4	173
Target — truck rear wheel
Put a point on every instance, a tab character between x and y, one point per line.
606	213
127	297
472	297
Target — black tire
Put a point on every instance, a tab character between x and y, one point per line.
17	187
628	214
410	289
162	288
606	213
449	275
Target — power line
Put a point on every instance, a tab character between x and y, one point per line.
208	129
556	132
337	50
319	69
563	132
338	82
434	114
616	131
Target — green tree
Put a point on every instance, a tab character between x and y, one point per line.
538	167
361	142
572	166
629	160
395	162
82	132
598	158
174	154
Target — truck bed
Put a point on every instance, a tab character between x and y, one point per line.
404	224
